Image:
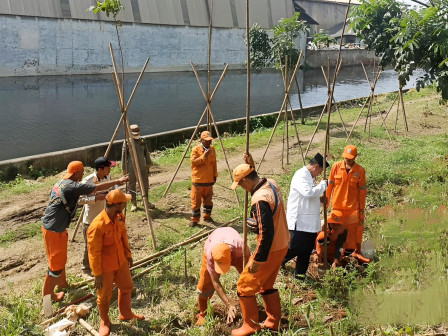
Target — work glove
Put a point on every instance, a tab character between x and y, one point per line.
252	225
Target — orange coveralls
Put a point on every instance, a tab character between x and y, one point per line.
204	172
347	193
272	242
108	256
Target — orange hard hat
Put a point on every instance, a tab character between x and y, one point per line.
72	168
206	135
241	172
350	152
117	196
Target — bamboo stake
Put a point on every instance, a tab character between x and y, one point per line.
88	327
286	116
185	268
146	271
402	106
130	141
81	215
327	135
248	83
281	109
300	101
390	109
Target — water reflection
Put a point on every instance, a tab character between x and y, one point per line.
45	114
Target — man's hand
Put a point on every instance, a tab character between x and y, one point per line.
100	196
231	311
206	153
324	199
253	267
123	179
99	282
130	261
249	159
252	225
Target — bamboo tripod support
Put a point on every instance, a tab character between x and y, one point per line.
128	135
399	95
208	97
283	109
327	134
369	103
327	80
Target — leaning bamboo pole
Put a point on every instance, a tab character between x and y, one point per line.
88	327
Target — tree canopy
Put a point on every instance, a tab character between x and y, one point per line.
407	38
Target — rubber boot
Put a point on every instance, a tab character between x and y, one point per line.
62	283
250	316
49	285
105	321
124	305
273	311
202	303
357	255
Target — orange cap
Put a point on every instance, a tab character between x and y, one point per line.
350	152
72	168
222	256
206	135
117	196
239	173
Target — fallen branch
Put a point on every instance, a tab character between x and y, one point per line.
88	327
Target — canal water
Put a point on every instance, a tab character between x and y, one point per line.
50	113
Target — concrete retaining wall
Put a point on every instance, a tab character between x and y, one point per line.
58	160
315	58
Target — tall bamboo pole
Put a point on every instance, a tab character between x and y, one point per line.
327	136
246	197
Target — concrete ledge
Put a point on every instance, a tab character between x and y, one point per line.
58	160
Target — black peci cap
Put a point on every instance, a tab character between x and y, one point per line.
102	162
320	160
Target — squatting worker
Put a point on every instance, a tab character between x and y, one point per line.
223	248
268	212
347	193
303	213
110	258
144	163
95	202
204	172
59	212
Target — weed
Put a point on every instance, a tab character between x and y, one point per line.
338	284
18	318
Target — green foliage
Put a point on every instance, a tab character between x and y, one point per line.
26	231
18	319
260	47
109	7
338	284
407	39
36	173
322	38
283	42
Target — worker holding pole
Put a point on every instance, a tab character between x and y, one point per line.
110	259
59	212
303	213
269	222
94	203
144	163
347	192
223	248
204	172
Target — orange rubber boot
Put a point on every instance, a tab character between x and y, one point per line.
250	316
49	285
202	303
124	305
105	324
273	311
357	255
63	280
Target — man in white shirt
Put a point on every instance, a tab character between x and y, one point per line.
303	213
94	203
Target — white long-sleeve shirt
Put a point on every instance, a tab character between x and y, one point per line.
303	212
92	207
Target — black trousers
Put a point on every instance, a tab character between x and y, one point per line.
301	245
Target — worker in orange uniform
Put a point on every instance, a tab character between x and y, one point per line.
269	221
57	217
347	193
110	259
204	172
223	248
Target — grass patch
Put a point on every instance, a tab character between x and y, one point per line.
26	231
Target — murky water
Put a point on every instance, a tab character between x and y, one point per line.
45	114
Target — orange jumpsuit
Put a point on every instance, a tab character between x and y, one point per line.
204	172
108	256
272	240
347	194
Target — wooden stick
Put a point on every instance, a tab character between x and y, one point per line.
300	101
327	135
281	109
248	83
402	106
317	128
286	125
146	271
390	109
297	132
185	268
357	119
88	327
209	128
81	215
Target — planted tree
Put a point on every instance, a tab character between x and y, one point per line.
322	38
260	47
408	39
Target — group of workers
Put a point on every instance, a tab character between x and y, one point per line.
281	235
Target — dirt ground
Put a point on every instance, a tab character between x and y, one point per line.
23	261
